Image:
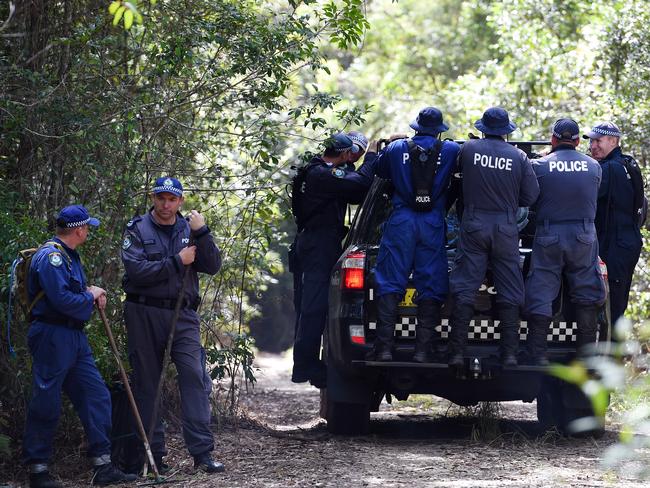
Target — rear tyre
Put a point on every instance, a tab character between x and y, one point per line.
560	405
348	418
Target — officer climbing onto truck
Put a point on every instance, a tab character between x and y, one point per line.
320	194
497	178
565	241
414	235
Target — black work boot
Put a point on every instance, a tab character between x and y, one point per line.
162	467
587	320
43	480
460	318
509	325
428	318
204	462
109	474
386	317
536	340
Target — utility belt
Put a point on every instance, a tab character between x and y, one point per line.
167	303
62	321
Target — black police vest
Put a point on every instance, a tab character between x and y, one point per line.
424	165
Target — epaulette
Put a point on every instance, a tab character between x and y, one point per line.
131	223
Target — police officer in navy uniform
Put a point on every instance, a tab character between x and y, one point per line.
414	235
330	184
565	241
619	236
497	178
61	357
155	252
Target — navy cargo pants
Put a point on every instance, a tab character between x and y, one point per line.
63	361
564	248
318	250
487	238
148	328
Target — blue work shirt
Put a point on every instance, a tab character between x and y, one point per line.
61	277
568	182
497	177
328	189
392	163
152	265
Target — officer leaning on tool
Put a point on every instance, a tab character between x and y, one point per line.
329	185
619	236
155	252
61	356
565	241
497	179
414	235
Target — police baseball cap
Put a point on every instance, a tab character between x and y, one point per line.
359	140
168	185
341	142
75	216
603	129
495	122
429	121
566	130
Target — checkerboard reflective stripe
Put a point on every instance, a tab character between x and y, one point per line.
483	330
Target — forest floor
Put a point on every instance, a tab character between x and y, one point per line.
280	441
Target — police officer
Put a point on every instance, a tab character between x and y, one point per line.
157	249
497	179
619	236
329	185
62	303
414	235
565	241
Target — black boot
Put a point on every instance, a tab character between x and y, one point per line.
460	318
204	462
587	320
509	325
428	318
536	341
386	317
109	474
43	480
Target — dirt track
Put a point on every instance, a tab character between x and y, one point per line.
424	442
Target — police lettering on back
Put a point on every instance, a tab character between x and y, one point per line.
493	162
567	166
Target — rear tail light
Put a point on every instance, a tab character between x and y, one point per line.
353	269
357	334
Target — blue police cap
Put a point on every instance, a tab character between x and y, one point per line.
566	129
429	121
495	122
341	142
603	129
165	184
75	216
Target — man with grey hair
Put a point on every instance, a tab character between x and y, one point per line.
619	236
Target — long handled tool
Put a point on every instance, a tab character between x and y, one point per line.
129	393
168	347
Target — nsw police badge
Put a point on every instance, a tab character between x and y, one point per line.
338	173
126	243
55	259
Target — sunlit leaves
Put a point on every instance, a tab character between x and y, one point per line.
128	11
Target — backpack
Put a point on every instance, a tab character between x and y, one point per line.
18	279
635	176
298	186
424	165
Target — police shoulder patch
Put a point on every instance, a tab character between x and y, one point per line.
338	172
126	243
55	259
